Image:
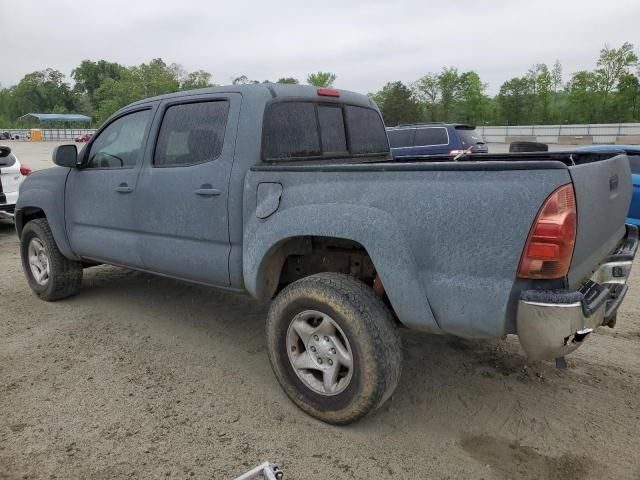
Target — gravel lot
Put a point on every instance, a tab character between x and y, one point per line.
144	377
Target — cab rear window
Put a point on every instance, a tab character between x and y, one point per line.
308	130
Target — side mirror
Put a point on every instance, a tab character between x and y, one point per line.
65	156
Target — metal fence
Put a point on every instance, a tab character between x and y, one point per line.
48	134
596	133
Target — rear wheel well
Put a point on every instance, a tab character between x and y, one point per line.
299	257
25	215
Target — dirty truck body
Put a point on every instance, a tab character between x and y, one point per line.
290	194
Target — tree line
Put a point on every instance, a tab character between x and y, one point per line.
609	93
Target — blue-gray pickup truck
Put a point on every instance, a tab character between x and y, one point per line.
290	193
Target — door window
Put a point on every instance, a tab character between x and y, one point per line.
120	145
191	133
401	138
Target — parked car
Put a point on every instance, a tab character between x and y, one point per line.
12	174
295	199
633	152
435	139
85	137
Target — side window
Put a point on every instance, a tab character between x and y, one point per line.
120	145
291	130
366	131
401	138
191	133
431	136
331	120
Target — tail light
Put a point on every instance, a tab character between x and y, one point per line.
455	152
328	92
549	248
25	170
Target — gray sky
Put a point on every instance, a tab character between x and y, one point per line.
366	43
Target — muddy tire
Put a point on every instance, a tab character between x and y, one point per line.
51	276
334	347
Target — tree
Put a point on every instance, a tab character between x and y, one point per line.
197	79
321	79
540	88
473	101
513	100
43	91
88	76
397	104
556	77
582	97
241	80
449	82
613	64
627	108
427	90
288	80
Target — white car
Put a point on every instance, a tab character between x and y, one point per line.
12	174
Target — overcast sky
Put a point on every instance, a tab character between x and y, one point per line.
366	43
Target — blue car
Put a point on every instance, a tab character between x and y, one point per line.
633	152
434	139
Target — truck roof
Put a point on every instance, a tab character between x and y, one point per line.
275	90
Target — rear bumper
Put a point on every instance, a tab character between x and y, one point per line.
553	323
7	212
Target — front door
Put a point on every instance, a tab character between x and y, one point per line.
183	190
99	200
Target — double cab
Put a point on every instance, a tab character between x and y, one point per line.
290	194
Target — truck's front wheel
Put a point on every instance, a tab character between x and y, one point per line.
51	276
334	347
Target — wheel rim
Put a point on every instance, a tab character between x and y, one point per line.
38	261
319	352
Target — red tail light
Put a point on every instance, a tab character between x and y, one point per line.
328	92
25	170
549	248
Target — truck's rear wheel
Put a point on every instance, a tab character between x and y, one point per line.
51	276
334	347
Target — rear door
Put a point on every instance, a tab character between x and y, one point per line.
183	189
603	194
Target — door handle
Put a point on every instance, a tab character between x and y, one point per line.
124	188
207	191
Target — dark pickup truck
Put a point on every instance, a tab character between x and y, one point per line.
290	193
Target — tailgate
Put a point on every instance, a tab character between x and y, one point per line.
603	193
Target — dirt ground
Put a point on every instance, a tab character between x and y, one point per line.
145	377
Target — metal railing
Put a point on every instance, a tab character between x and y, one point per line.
48	134
596	133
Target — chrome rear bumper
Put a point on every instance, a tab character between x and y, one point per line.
7	212
553	323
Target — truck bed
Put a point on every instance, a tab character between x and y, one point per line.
457	227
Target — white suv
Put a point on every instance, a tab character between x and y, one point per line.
12	174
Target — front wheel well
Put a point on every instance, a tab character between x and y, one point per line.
27	214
